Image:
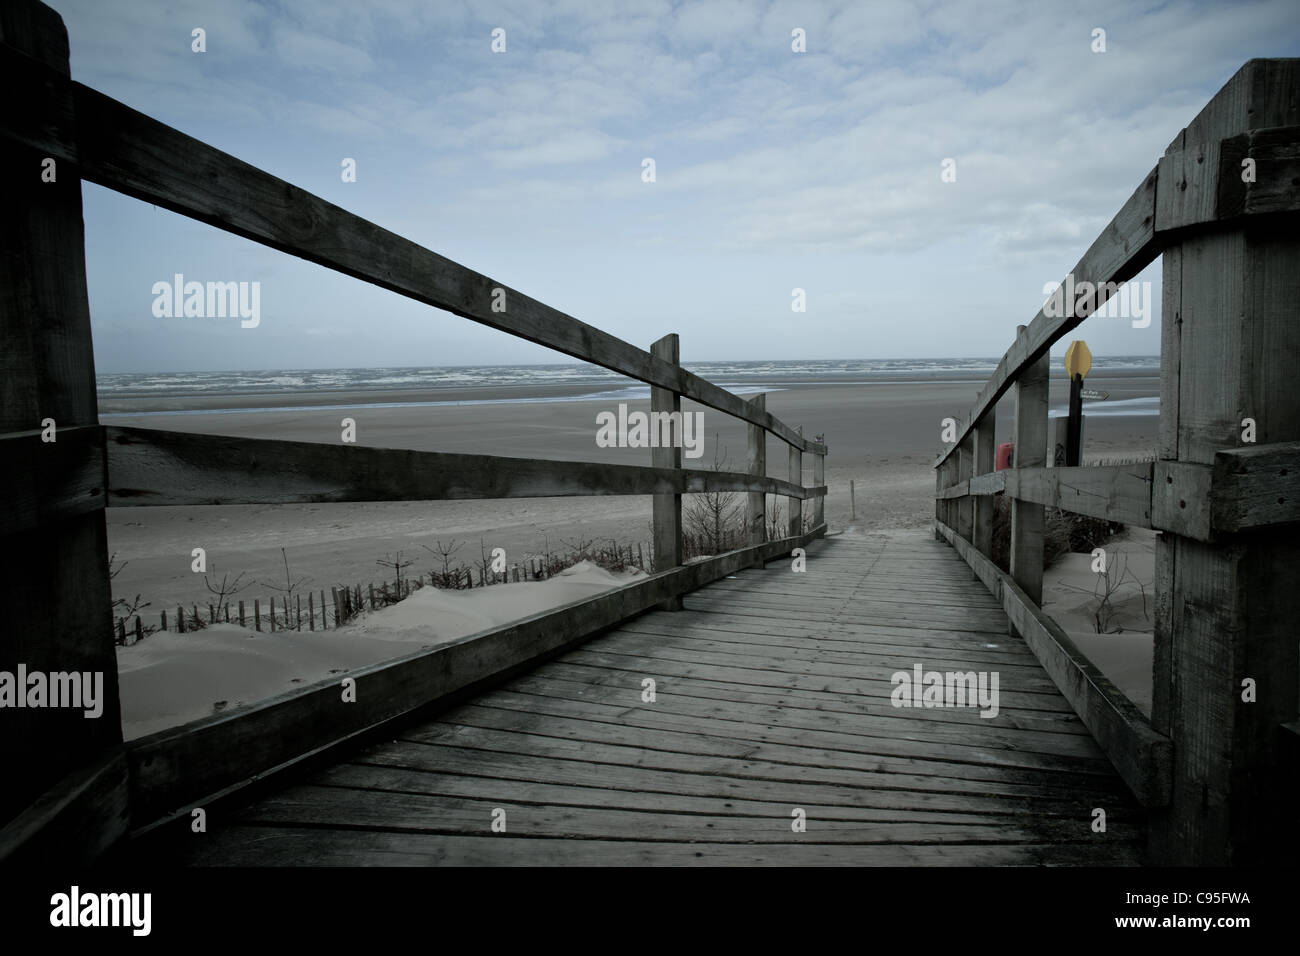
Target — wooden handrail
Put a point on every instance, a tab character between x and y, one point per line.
1189	191
131	153
152	467
1224	489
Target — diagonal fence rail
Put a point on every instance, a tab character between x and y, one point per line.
80	788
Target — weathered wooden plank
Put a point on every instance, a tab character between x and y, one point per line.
267	846
815	642
43	482
901	635
1276	153
1255	486
877	612
868	691
936	595
1140	754
818	480
575	770
795	503
666	520
592	792
1181	499
1027	682
900	625
1189	185
738	725
461	816
985	432
1115	492
1207	182
735	686
965	515
148	467
964	489
502	732
1026	548
765	650
53	547
758	715
756	461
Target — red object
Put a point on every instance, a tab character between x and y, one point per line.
1005	455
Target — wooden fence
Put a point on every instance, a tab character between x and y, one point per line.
1217	762
288	612
76	788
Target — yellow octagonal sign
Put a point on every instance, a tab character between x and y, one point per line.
1078	360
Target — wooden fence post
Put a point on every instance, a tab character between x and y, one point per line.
965	506
1030	452
938	502
1225	611
257	613
756	462
819	479
796	476
667	514
985	439
58	565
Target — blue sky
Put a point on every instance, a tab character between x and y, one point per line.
774	169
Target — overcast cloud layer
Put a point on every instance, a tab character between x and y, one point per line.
774	169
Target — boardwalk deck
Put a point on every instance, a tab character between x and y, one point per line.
772	693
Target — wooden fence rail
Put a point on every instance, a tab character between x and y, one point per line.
1217	760
77	789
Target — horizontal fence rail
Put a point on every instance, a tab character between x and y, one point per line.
1217	763
153	467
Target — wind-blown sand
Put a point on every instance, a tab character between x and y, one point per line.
1073	592
172	678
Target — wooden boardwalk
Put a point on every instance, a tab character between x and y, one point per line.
772	692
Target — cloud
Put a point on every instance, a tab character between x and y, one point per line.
824	164
310	51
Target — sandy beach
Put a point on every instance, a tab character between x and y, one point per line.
881	436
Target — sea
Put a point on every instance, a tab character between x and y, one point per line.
583	381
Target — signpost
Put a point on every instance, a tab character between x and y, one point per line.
1092	395
1078	362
